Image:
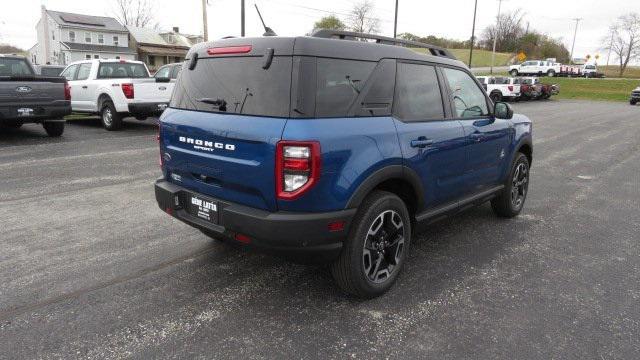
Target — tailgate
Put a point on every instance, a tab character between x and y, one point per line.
152	91
30	92
226	156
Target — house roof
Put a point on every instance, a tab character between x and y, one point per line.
86	21
155	37
164	51
97	48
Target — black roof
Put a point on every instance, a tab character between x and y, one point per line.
98	48
324	47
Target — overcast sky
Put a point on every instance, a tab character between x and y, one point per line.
450	18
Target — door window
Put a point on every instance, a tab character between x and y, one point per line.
418	94
164	72
83	71
468	98
339	82
69	72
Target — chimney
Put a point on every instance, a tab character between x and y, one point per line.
176	29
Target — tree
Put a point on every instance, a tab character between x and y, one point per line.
508	30
361	18
329	22
623	40
138	13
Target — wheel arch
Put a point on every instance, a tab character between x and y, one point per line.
102	98
397	179
526	148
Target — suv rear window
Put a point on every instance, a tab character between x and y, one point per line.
14	67
236	85
117	70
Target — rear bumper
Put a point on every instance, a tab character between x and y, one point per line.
298	236
147	109
40	112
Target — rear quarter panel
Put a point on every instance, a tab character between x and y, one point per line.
352	149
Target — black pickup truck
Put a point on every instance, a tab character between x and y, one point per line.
26	97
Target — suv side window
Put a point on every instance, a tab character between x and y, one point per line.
339	82
418	94
469	99
69	73
83	71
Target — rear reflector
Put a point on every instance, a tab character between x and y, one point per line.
243	49
336	226
243	238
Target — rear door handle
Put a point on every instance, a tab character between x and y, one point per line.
477	136
421	142
85	87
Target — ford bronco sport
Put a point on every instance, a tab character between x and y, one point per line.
328	149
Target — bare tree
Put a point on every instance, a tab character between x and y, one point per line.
623	39
508	30
138	13
362	19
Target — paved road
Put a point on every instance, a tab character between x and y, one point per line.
90	268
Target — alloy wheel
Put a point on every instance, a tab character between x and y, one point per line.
383	246
519	185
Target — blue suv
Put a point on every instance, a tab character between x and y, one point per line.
333	147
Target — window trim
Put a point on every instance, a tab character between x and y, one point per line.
443	94
100	36
90	37
72	38
454	115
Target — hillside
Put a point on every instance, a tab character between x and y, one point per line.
481	58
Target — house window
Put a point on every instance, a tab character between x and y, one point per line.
96	56
88	56
152	60
118	57
87	37
53	35
72	36
116	40
100	39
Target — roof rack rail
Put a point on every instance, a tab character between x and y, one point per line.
350	35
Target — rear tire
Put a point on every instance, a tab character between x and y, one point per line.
495	96
551	73
377	246
513	72
511	200
633	102
110	118
54	129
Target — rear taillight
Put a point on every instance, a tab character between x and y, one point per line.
510	87
67	91
297	168
127	89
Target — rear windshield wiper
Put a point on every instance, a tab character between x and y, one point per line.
221	104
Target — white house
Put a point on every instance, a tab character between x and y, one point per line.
65	37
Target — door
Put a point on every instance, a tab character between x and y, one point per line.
84	93
432	145
487	138
70	74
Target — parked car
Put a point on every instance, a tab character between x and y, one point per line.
635	96
326	149
535	67
49	70
115	89
499	88
529	89
169	71
26	97
541	90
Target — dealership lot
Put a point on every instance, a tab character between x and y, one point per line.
90	266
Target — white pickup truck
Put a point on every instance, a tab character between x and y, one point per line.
500	88
115	89
535	67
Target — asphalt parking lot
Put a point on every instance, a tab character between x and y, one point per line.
91	268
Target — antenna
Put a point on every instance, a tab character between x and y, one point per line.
267	30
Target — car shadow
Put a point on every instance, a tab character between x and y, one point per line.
128	123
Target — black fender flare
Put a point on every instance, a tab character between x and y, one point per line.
382	175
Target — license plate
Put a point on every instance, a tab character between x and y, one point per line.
25	111
202	208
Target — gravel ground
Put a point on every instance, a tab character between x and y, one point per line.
91	268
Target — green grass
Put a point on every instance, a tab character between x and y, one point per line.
632	72
481	58
594	89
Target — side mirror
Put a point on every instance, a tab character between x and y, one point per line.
502	110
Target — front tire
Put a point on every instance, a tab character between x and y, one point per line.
511	201
495	96
633	102
54	129
551	73
377	246
513	72
110	118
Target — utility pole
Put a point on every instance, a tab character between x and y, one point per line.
473	32
495	37
242	18
575	32
395	22
204	20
